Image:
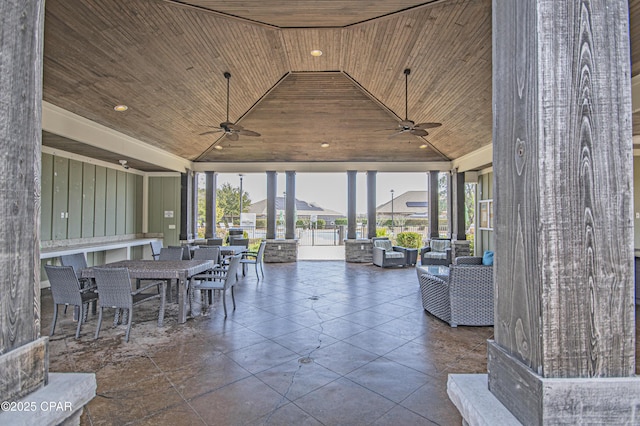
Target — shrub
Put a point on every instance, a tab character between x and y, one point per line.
409	239
381	232
320	224
341	221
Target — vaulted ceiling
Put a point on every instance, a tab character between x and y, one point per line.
165	60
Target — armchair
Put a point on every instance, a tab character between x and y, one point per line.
438	252
385	254
465	297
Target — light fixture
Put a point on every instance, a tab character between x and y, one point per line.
423	146
218	147
124	164
324	145
121	108
316	52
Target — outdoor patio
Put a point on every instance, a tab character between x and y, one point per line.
315	342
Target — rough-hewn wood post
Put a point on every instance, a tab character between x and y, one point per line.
272	189
290	214
186	204
210	204
371	203
564	346
434	231
458	230
23	353
351	204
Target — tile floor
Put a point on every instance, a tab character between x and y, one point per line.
313	343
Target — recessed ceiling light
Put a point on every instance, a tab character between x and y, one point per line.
423	146
121	108
316	52
324	145
218	147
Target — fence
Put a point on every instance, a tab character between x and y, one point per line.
335	236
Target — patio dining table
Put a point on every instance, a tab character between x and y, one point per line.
181	270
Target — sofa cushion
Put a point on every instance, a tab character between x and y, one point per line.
435	255
439	245
384	244
487	258
393	254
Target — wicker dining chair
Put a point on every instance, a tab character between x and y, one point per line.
207	253
214	241
186	253
238	241
216	279
156	246
78	262
254	258
66	290
171	253
114	289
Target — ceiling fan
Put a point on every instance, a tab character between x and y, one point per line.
406	125
231	130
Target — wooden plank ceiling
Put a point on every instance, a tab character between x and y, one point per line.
166	59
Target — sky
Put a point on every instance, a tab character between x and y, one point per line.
329	190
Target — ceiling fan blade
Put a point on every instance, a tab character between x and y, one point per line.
211	131
233	126
419	132
232	136
427	125
245	132
396	134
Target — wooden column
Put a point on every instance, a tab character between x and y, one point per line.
194	205
186	205
564	349
458	230
433	205
351	204
272	189
23	352
290	208
210	204
371	203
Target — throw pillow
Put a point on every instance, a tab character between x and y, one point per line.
487	258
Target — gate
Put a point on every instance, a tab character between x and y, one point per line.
320	237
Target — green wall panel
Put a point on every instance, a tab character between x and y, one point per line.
155	205
100	202
138	204
130	211
121	202
60	198
110	204
164	208
88	199
484	238
46	200
74	223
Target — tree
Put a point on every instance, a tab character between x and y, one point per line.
228	199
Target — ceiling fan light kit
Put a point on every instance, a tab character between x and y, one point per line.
231	130
409	126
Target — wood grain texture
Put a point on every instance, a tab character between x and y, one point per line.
23	363
166	61
563	178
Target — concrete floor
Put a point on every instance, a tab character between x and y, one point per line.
313	343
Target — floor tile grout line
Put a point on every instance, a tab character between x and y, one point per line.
301	364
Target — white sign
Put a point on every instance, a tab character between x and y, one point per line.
168	213
248	219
